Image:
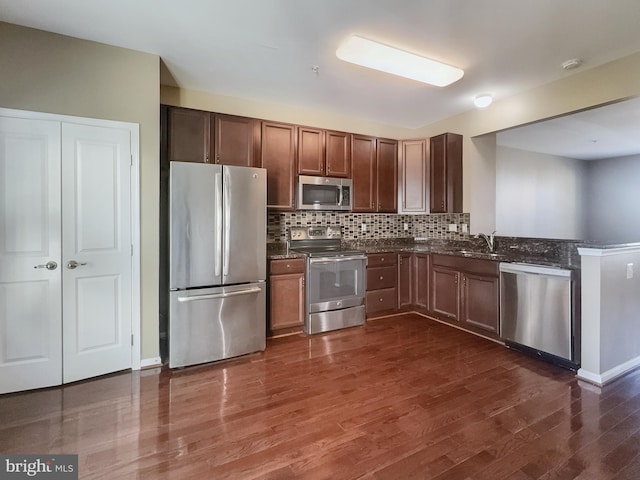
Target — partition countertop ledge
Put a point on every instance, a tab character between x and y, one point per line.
588	250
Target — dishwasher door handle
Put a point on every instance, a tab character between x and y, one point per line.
532	269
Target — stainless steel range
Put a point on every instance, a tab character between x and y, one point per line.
336	279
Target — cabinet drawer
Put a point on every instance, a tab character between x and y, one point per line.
382	259
290	265
381	277
381	300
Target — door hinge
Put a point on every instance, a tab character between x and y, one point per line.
131	160
132	249
132	339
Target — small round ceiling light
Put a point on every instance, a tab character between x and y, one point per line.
483	100
571	63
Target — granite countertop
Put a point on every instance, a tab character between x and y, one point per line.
511	252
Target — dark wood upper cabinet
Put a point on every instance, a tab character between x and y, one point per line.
446	173
278	156
413	185
387	175
236	140
205	137
375	174
364	174
311	151
338	154
188	135
324	153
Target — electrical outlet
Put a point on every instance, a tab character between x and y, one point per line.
629	270
406	227
453	227
465	228
363	227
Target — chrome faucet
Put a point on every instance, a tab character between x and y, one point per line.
490	239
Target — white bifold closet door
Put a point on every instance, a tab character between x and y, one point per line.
65	252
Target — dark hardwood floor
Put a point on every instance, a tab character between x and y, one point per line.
402	397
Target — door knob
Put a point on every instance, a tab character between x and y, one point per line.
49	265
73	264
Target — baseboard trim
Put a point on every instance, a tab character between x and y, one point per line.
150	362
610	375
495	340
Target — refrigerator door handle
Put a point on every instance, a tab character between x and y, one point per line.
218	233
227	223
220	295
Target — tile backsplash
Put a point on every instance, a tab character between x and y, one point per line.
378	225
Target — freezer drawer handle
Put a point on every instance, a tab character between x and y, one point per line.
220	295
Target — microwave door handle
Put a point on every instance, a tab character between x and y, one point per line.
340	196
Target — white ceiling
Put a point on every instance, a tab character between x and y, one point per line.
604	132
265	49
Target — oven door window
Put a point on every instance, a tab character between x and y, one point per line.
332	281
320	195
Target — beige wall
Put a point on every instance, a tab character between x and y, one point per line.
277	112
605	84
614	81
45	72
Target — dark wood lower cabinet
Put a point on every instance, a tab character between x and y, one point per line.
405	281
382	284
286	295
466	292
445	295
421	268
480	294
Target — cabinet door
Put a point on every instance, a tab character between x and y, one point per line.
234	140
387	175
480	302
278	156
444	292
421	280
446	173
310	151
414	177
286	301
338	154
188	135
363	156
405	280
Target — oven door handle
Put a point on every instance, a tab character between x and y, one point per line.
336	259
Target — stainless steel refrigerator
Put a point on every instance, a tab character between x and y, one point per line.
217	265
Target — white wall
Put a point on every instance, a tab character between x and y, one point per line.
614	200
539	195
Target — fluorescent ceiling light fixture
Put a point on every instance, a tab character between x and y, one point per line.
388	59
482	101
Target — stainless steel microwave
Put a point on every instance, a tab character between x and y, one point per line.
323	193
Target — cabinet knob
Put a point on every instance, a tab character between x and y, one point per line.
382	259
381	277
288	266
380	299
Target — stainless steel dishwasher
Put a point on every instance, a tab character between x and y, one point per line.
537	312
